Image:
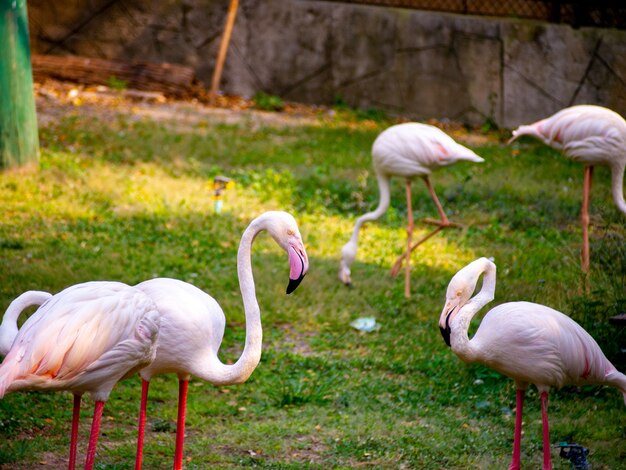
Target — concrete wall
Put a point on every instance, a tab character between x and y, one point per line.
409	62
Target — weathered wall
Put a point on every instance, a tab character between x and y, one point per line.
416	63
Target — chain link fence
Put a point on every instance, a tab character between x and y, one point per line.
599	13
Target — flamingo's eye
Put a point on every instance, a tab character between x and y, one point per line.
458	293
290	232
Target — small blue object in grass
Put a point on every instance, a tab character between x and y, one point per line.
366	324
576	454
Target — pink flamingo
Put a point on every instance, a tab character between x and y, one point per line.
406	150
84	339
528	342
593	135
192	325
8	327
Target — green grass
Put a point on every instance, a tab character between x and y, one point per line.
130	200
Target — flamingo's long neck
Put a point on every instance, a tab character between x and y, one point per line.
224	374
617	185
383	205
8	328
459	339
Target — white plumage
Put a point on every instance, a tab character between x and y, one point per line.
84	339
192	322
592	135
531	343
407	150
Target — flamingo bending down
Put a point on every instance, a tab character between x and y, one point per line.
84	339
593	135
8	327
192	324
528	342
406	150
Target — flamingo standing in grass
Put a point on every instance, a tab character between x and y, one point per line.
406	150
84	339
192	325
8	327
528	342
592	135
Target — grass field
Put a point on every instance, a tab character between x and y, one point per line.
128	200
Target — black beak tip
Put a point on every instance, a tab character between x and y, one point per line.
445	332
293	284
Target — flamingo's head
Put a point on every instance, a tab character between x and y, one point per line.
460	290
348	254
284	230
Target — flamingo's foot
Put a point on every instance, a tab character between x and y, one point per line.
442	223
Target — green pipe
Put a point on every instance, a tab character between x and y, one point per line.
19	142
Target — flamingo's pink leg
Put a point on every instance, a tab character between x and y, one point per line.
585	217
409	231
93	436
74	433
547	464
142	423
517	437
442	215
180	425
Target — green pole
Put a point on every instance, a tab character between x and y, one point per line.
19	142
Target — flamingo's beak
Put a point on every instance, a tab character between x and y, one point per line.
298	266
445	330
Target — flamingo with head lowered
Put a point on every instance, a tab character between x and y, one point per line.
407	150
192	323
8	327
592	135
84	339
531	343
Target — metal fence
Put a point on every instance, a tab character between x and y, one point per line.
599	13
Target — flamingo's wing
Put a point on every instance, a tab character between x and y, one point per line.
73	331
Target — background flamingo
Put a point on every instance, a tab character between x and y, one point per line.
8	327
192	325
528	342
406	150
83	339
593	135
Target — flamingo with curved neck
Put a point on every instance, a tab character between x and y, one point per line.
406	150
592	135
192	325
8	327
529	342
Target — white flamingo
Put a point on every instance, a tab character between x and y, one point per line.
8	327
406	150
528	342
192	324
84	339
592	135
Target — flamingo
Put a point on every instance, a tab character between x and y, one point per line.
84	339
592	135
527	342
406	150
192	324
8	327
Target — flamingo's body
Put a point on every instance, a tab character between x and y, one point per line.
592	135
8	327
84	339
192	322
531	343
406	150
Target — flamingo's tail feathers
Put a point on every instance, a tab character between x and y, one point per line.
472	157
617	380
